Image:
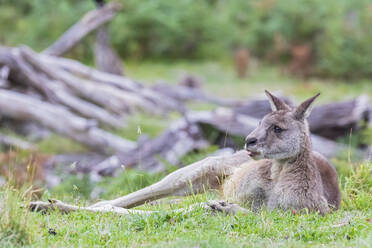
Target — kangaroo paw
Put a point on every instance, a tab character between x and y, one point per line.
224	207
39	206
44	207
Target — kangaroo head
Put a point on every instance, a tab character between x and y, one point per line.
283	133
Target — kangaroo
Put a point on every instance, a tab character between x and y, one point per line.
287	174
241	59
277	169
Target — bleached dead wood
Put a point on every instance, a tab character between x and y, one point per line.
85	108
12	142
229	122
226	121
55	92
19	70
106	95
99	96
4	75
105	57
258	108
151	154
80	70
31	131
22	107
184	93
337	119
331	120
90	21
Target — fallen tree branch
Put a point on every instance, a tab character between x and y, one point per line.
184	93
22	107
105	57
106	95
225	121
90	21
54	91
10	142
150	155
331	120
80	70
337	119
258	108
230	123
20	71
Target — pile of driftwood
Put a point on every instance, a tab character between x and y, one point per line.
43	92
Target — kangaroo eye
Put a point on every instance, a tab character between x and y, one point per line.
277	129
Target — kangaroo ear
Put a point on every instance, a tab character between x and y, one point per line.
304	109
275	103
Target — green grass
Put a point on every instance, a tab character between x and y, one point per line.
220	78
20	228
348	227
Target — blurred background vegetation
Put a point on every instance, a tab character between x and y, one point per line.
337	31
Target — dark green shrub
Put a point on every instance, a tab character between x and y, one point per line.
160	28
338	30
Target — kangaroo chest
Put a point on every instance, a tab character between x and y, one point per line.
275	185
295	187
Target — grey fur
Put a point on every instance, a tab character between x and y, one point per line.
288	174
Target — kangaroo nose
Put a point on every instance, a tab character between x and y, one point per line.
250	141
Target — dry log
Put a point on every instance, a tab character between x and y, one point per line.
83	88
90	21
54	91
30	130
184	93
336	120
150	155
19	69
105	95
368	155
225	121
12	142
22	107
331	121
229	122
258	108
4	75
105	57
369	115
74	162
85	108
80	70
